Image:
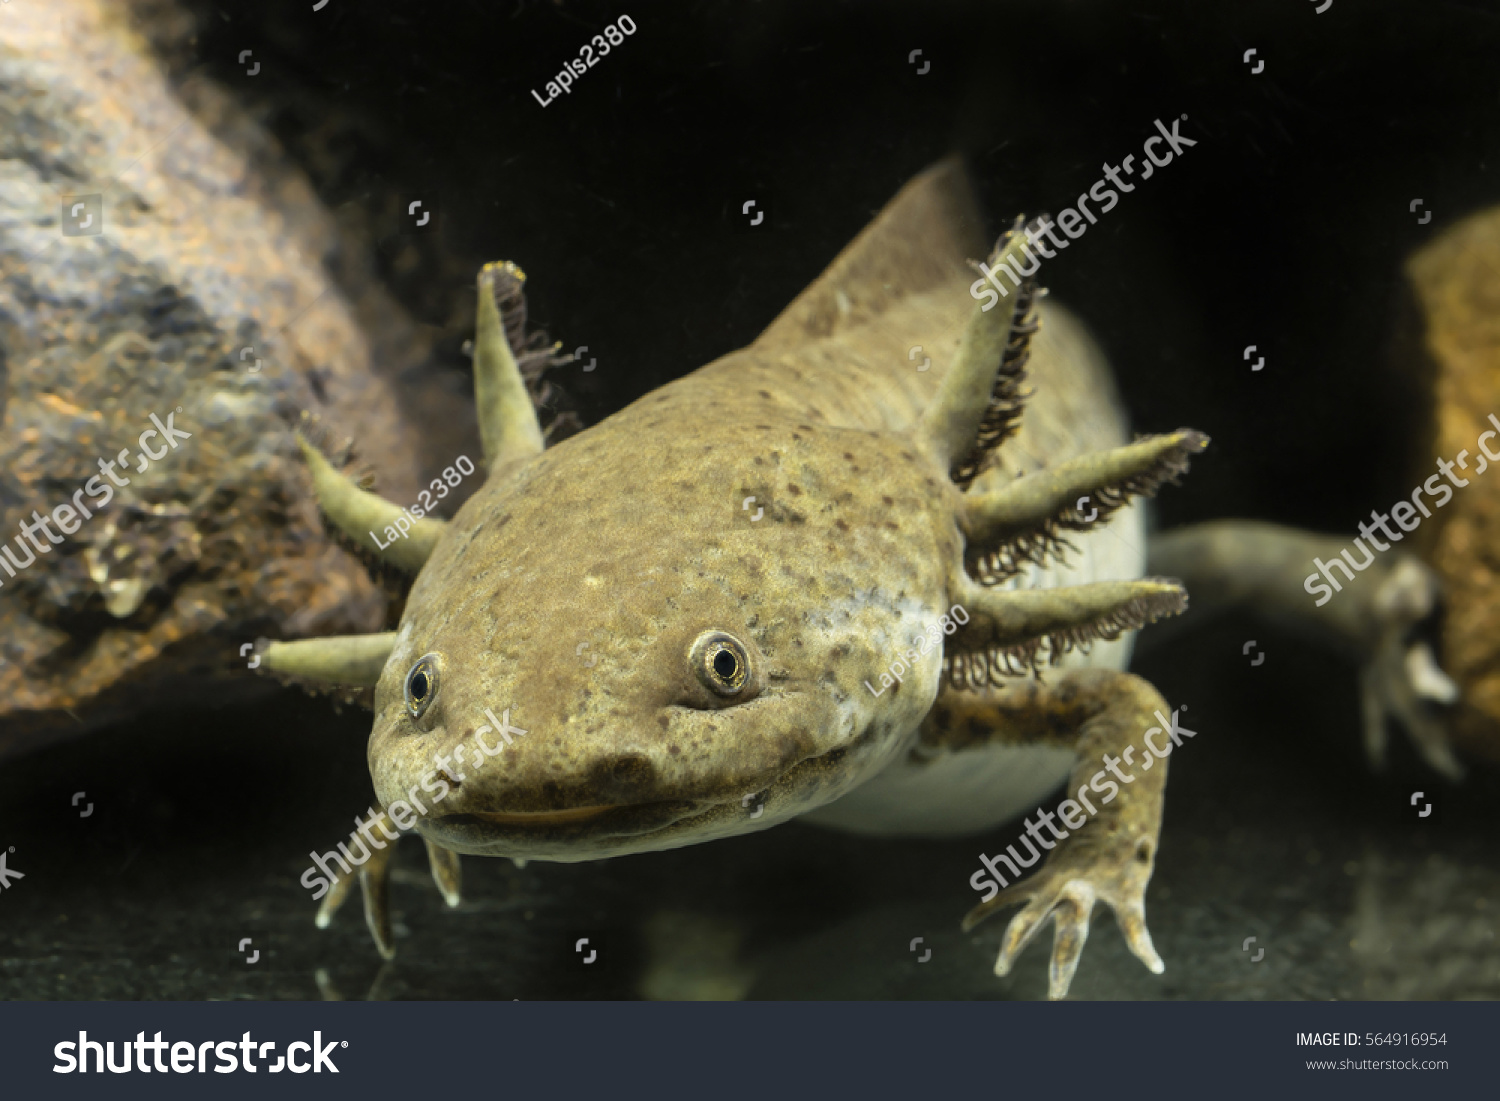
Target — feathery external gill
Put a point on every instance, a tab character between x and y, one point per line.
1012	522
1011	630
1006	402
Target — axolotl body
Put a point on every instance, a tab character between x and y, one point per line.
690	613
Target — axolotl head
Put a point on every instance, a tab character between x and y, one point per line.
612	649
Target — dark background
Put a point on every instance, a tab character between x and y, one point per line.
1284	227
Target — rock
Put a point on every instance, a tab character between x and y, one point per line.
163	268
1455	345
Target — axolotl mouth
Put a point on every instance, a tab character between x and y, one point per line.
586	832
548	834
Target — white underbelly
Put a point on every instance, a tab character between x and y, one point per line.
950	796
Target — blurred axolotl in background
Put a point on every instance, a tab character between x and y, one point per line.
667	650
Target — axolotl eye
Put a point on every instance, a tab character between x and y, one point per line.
721	663
421	685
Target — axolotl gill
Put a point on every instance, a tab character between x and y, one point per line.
671	647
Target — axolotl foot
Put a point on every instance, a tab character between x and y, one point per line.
1383	614
374	882
1065	890
1105	847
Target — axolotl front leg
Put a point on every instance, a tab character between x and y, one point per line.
1106	849
1102	845
373	873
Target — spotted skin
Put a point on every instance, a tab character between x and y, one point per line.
784	496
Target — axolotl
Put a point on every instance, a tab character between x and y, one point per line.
702	597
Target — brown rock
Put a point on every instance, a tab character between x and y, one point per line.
157	258
1455	282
